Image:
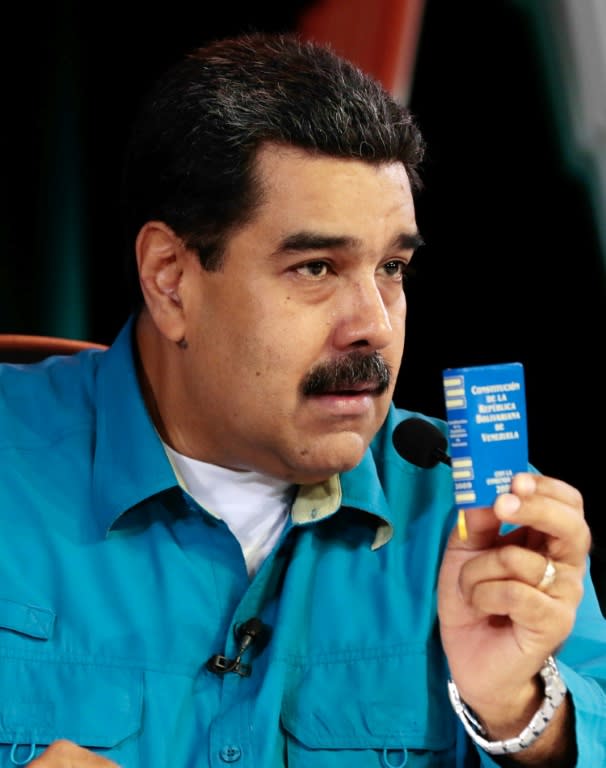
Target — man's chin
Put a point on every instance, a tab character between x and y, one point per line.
324	461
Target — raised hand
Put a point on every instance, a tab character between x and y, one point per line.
506	602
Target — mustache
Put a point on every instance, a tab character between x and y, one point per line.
345	373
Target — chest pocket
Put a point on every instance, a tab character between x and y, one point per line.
99	707
365	712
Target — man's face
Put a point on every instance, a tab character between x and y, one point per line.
295	344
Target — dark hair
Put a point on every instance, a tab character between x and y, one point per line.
190	160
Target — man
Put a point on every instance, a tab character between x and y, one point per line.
212	552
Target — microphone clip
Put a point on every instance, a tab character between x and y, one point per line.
246	634
220	665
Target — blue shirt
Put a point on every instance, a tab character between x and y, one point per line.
116	588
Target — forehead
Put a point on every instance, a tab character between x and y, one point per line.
297	185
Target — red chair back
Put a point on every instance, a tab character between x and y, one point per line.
26	348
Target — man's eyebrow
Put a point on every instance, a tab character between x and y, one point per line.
315	241
409	241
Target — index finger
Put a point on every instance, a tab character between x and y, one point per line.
551	508
525	484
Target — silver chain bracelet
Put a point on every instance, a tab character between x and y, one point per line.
555	691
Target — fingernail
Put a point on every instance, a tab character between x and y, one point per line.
524	484
506	505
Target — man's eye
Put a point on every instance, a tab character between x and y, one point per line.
313	269
396	268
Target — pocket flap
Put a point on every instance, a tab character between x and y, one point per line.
371	703
30	620
94	705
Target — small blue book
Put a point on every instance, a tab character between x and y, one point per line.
487	432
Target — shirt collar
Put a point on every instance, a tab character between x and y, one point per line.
361	488
130	464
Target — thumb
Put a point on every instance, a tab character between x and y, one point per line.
477	529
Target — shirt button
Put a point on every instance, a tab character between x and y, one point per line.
230	753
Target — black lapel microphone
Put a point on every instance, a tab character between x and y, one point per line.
420	442
246	634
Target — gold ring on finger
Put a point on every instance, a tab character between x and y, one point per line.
549	575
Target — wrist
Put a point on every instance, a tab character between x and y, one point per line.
504	715
554	695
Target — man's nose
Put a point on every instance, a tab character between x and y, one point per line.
365	321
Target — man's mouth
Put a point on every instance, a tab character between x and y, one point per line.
351	390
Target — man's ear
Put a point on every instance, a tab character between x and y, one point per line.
160	261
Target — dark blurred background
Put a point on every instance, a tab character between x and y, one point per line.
513	269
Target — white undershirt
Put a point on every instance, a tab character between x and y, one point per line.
255	507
